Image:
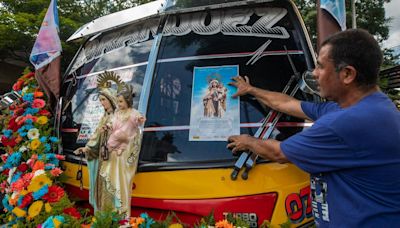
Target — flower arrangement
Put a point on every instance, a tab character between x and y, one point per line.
30	175
29	166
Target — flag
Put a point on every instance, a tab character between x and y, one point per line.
46	54
331	18
337	9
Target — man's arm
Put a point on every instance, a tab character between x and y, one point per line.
269	149
275	100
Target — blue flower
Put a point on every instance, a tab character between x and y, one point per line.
53	139
6	204
14	159
15	177
49	166
49	222
147	221
28	121
28	127
7	133
28	97
47	147
31	111
43	139
41	192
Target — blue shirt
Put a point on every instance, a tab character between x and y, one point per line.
353	156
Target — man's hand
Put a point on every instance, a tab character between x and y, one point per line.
242	84
239	143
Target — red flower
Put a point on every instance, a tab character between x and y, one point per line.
38	94
23	167
123	222
28	75
44	112
12	125
54	195
18	85
8	142
38	103
26	200
5	172
73	212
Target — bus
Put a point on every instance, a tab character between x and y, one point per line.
158	48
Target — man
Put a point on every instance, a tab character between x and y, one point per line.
352	151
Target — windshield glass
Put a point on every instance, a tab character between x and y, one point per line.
205	40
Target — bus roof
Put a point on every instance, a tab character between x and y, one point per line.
142	12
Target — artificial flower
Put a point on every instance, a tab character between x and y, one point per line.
47	207
28	97
175	225
8	142
18	185
27	177
33	133
41	192
38	103
23	149
39	165
12	125
42	120
18	85
44	112
35	144
72	211
38	94
5	172
53	222
60	157
18	139
55	194
23	167
28	198
3	186
223	224
14	159
39	172
35	208
38	182
14	199
136	221
19	212
56	172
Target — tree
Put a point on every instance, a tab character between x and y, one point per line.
20	21
370	16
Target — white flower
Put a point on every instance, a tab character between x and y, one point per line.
24	90
38	173
23	149
33	133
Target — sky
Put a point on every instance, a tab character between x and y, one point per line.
392	9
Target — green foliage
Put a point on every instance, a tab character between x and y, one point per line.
170	219
107	218
370	16
206	221
20	21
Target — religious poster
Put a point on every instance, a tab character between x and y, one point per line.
91	116
215	115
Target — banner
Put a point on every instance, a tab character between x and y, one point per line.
45	55
337	9
47	46
214	115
